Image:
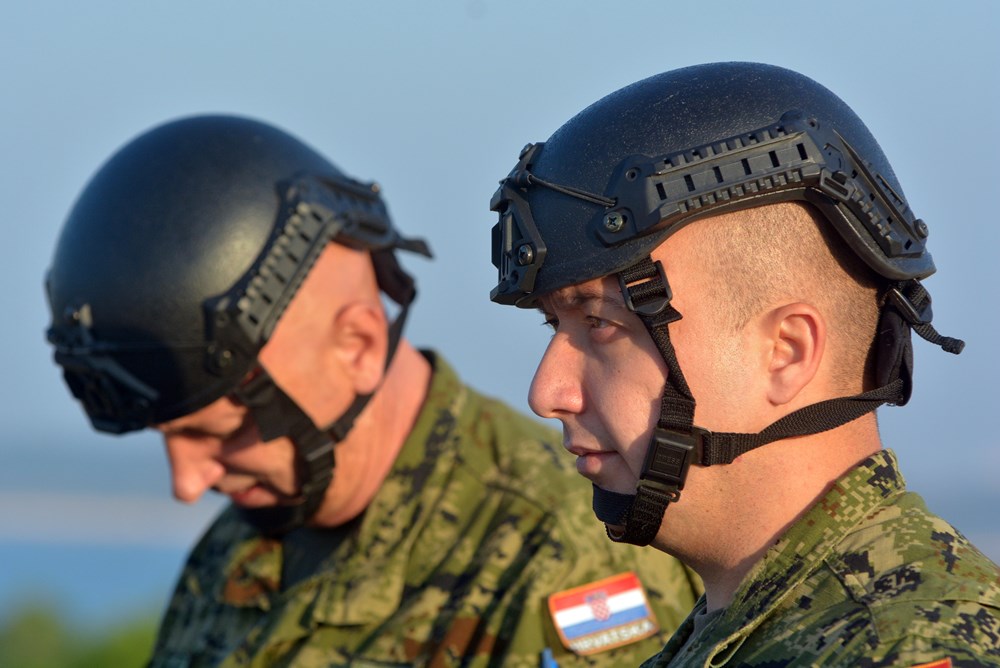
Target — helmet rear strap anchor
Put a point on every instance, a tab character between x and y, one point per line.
914	304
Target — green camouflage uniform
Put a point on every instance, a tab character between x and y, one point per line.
868	577
481	518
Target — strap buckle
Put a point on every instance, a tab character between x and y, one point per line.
642	293
907	308
669	456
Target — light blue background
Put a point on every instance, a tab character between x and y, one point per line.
434	100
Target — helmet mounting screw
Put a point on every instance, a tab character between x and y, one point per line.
221	358
614	222
525	255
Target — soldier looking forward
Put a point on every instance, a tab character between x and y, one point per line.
732	275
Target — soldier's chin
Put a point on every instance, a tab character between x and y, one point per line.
612	507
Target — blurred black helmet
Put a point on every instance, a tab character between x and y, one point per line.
181	254
625	173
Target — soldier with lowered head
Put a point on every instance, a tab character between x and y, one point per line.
221	282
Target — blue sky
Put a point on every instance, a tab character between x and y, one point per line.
434	101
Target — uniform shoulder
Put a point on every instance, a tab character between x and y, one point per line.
919	577
904	549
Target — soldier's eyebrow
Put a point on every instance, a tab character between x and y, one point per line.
580	296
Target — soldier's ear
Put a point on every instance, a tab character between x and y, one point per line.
795	336
360	341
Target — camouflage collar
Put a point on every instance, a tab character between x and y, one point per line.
805	545
371	570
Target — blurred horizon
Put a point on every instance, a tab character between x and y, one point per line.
129	536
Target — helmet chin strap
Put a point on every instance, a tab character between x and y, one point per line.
677	443
277	414
612	507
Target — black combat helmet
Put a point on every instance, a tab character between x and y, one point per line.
179	258
628	171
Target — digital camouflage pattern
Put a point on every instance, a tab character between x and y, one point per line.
868	577
481	518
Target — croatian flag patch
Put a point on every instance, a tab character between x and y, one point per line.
602	615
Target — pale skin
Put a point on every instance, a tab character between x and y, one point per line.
603	377
329	346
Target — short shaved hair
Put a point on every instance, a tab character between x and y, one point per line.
787	252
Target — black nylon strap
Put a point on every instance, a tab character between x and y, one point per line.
647	293
277	414
611	507
644	516
401	288
723	448
914	302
